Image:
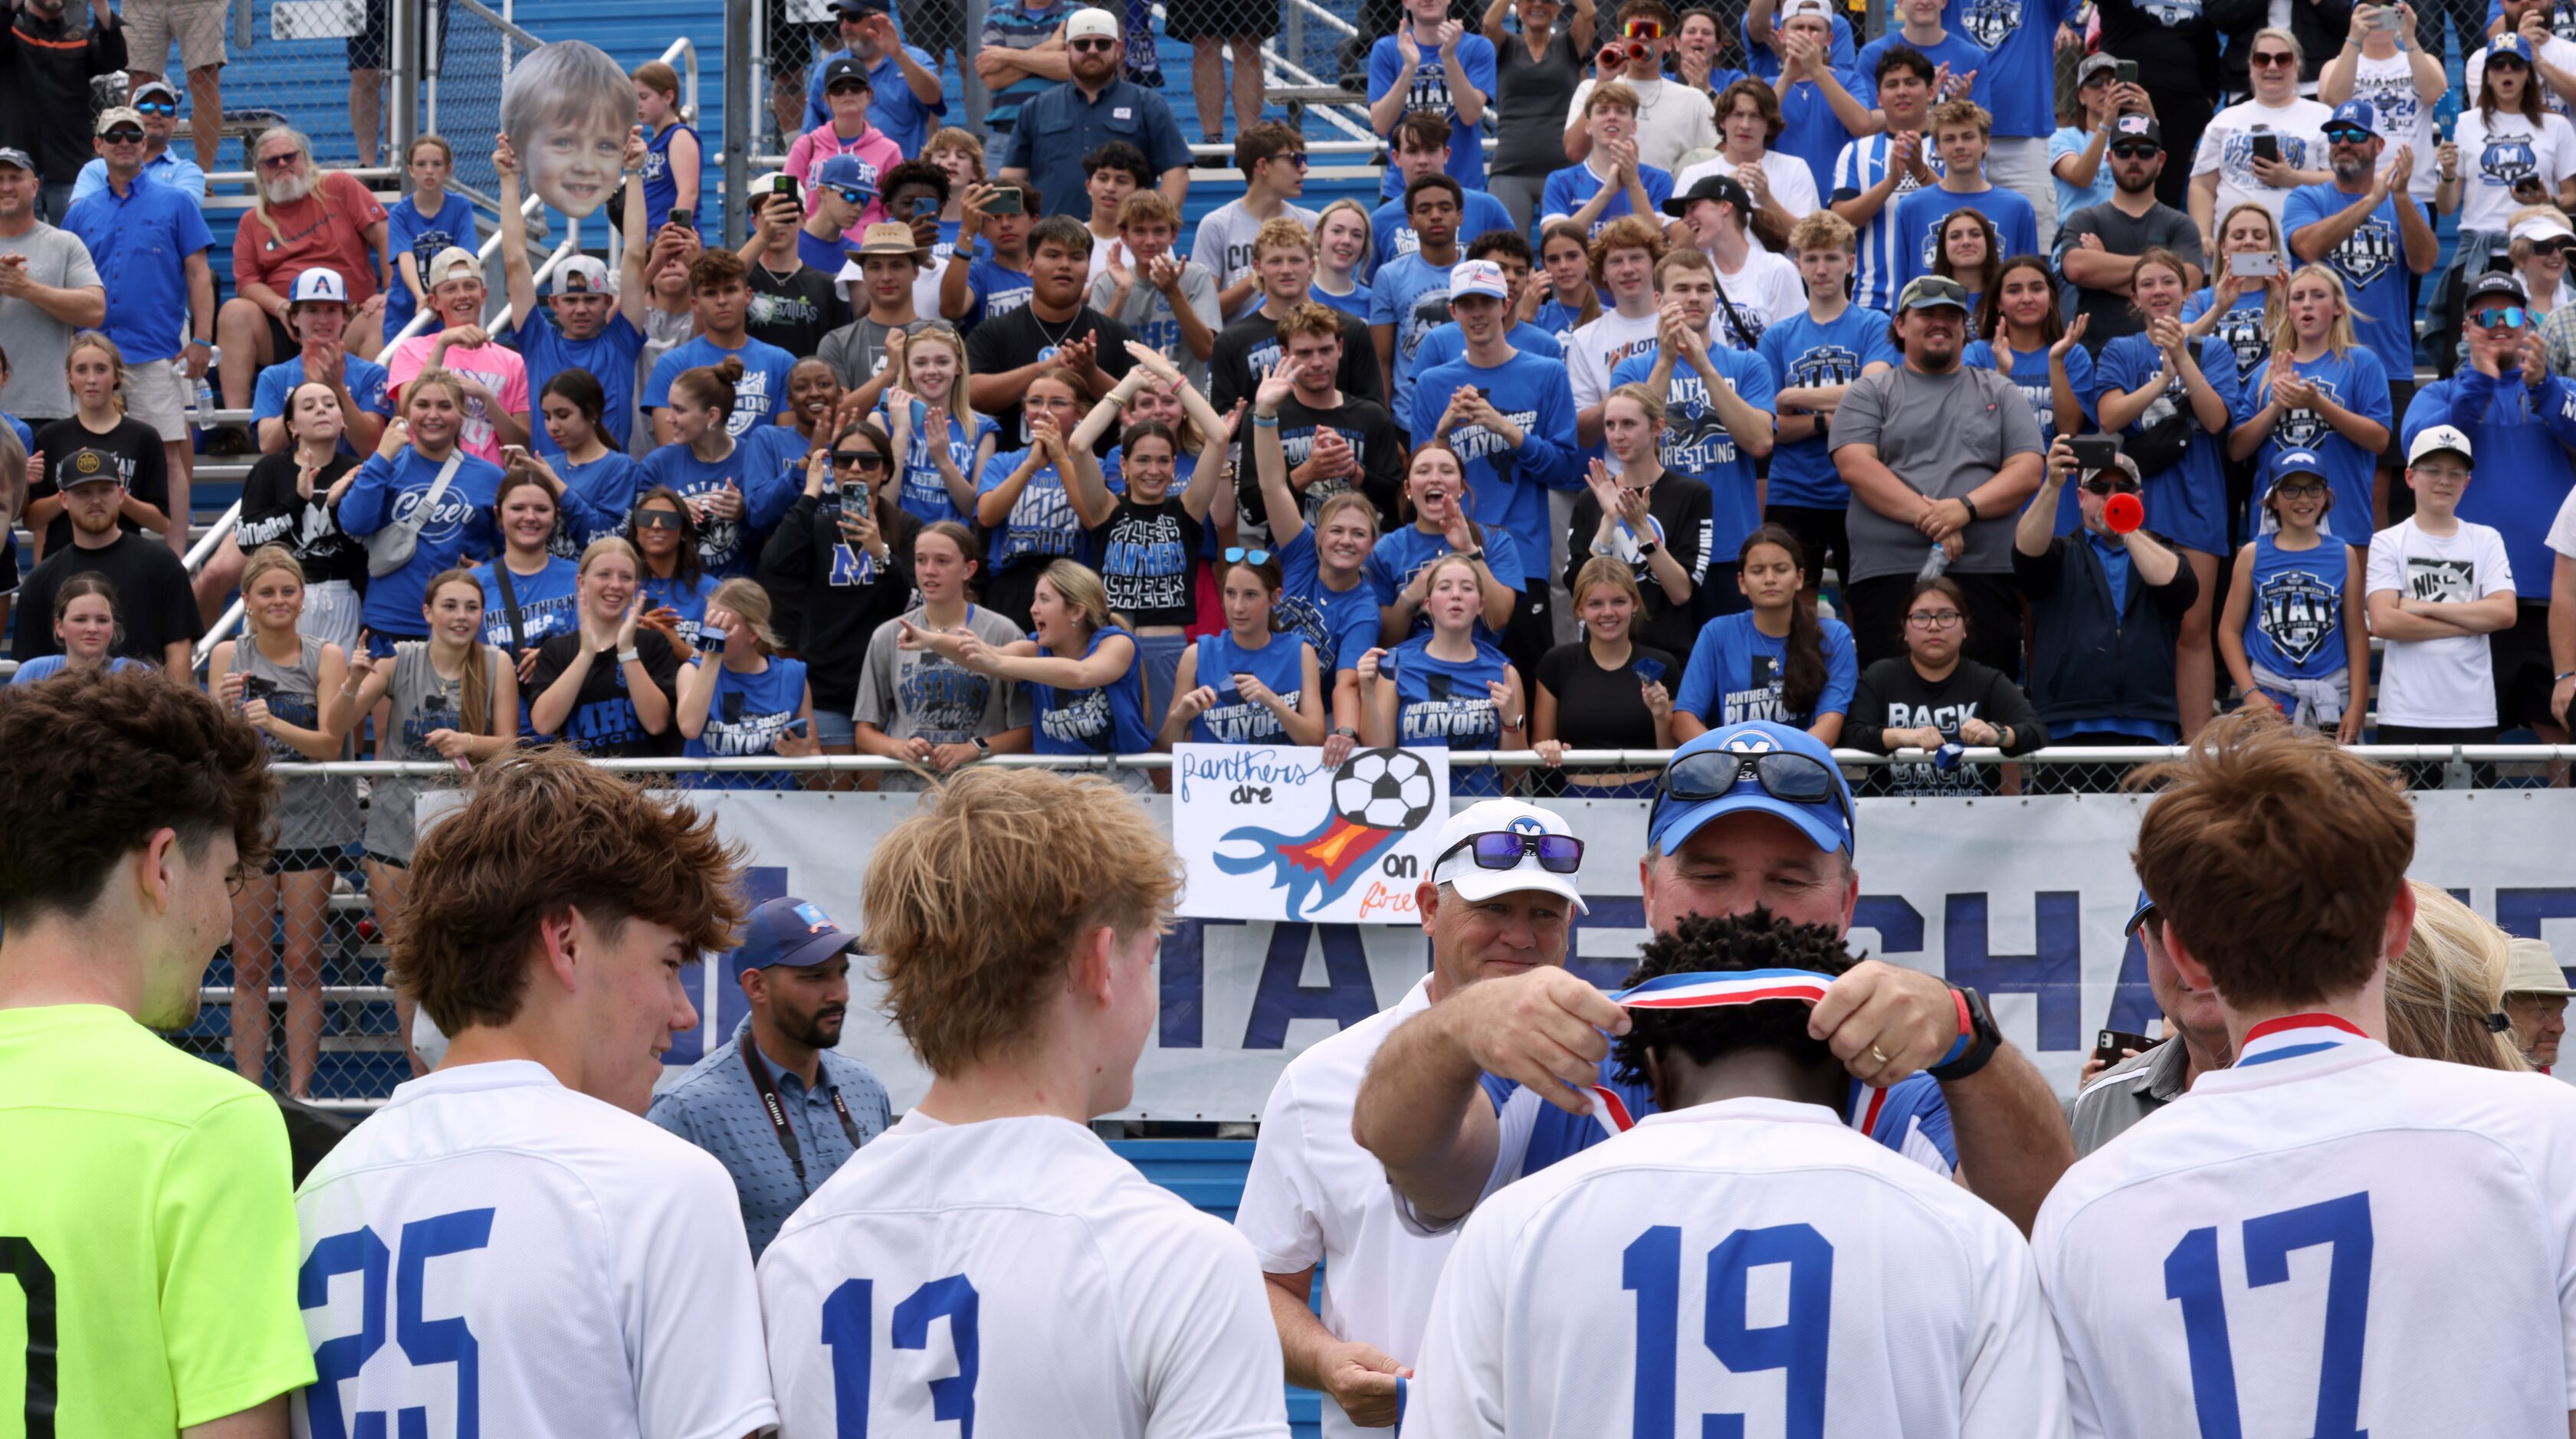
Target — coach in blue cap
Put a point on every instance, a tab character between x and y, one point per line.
1750	814
776	1104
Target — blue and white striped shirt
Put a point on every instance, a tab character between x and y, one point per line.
1863	163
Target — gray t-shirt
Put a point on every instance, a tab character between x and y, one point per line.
857	350
314	812
2161	227
35	341
1944	435
664	331
1224	249
1148	315
909	693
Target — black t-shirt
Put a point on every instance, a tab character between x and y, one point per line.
1149	560
1683	507
2123	234
1605	709
846	594
603	724
2179	54
795	311
1375	443
153	598
140	461
1246	349
273	513
1892	696
1020	338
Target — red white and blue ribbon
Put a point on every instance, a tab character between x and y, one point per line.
2293	1035
1709	989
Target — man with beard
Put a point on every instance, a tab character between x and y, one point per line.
776	1104
157	614
46	62
49	289
1092	107
304	218
2099	245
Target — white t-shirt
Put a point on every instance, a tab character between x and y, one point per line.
1594	350
1672	120
2227	147
2557	50
2497	150
1762	294
2438	684
1315	1197
586	1270
2562	531
2405	119
1792	183
1752	1257
1078	1297
2330	1228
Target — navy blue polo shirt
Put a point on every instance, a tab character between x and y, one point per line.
1057	128
141	242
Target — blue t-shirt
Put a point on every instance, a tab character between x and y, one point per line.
661	187
1506	481
1341	625
1811	131
1697	443
610	358
2354	381
1280	664
1390	237
1401	554
141	244
1355	304
1447	342
757	397
998	290
892	107
2030	375
365	380
688	600
1427	88
1106	719
1444	704
1042	524
827	256
597	499
1412	295
1954	49
1763	63
1918	226
1573	187
2243	330
1557	319
746	715
761	465
18	427
2069	140
925	495
548	603
2294	623
2017	81
947	242
459	529
409	232
2186	500
1736	673
2372	264
45	667
1803	354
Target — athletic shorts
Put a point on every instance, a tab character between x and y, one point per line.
158	394
152	25
1187	20
2522	672
304	861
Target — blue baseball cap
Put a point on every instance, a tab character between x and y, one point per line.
2354	112
2509	46
2146	906
1827	821
847	172
2281	464
791	932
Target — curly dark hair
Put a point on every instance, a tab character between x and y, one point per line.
1759	940
98	763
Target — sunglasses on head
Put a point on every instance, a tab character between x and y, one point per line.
2502	317
1238	555
1790	778
1092	43
1503	849
157	107
2111	485
659	520
858	459
123	137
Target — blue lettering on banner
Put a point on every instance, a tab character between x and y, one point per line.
1347	997
2055	975
1898	922
1183	962
1250	766
2520	911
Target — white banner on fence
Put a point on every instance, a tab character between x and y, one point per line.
1273	834
2022	898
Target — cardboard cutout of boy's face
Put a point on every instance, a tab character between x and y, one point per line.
567	109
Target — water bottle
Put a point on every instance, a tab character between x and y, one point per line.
1934	564
206	405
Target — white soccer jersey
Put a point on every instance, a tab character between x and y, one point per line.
1016	1277
1315	1197
2325	1239
1751	1267
493	1253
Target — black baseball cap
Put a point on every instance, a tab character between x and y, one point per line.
87	466
847	68
2496	283
1711	187
861	7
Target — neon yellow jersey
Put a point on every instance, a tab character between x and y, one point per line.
148	1229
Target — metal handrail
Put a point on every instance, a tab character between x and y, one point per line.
498	22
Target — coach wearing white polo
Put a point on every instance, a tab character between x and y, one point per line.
1500	901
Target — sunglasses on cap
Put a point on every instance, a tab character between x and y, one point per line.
2135	150
1790	778
2111	484
1238	555
2501	317
1092	42
1504	849
660	520
123	137
858	460
156	107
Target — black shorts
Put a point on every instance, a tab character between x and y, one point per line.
388	861
1820	533
303	861
2523	677
1220	19
286	346
367	47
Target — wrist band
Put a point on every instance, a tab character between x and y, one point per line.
626	656
1264	422
1967	1032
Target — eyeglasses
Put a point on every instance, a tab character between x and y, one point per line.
123	137
2111	485
659	520
156	107
1792	778
2290	491
858	459
2349	135
1238	555
2135	151
1933	619
2270	58
855	197
1092	43
2502	317
1504	849
2438	472
280	162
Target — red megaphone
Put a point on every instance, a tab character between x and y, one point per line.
2123	513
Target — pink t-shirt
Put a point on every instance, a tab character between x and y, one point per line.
873	149
500	370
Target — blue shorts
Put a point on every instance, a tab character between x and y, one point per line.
1161	657
832	729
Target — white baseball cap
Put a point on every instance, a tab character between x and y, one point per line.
319	285
1478	277
583	275
1474	882
1812	9
1091	22
2437	439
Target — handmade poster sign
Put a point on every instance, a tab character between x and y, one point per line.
1273	833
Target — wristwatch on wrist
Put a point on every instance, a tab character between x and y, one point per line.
626	656
1477	554
1978	1037
1345	731
983	748
1646	549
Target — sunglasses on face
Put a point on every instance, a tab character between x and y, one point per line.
2269	58
123	137
156	107
2502	317
2557	246
278	162
2349	135
1932	619
1094	43
858	459
2111	485
1503	849
659	520
1790	778
2134	151
855	197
